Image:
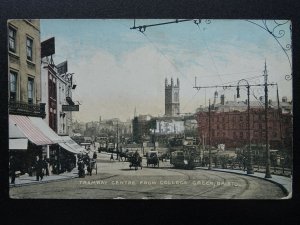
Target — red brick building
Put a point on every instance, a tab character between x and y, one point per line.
231	128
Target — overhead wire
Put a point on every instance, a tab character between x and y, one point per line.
209	53
163	54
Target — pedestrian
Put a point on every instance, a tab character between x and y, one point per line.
45	162
111	156
95	155
39	165
12	168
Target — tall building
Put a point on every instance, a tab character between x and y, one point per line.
24	65
172	105
29	134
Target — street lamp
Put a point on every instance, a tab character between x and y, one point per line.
249	161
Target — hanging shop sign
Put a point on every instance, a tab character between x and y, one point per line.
70	107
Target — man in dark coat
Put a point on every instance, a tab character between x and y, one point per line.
39	165
12	168
95	155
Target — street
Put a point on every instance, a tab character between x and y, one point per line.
115	180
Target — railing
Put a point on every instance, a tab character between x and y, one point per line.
282	170
23	108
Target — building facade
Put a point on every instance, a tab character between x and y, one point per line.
169	126
141	128
49	92
24	67
231	128
172	104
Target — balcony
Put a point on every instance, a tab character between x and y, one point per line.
23	108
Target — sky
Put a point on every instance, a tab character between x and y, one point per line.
118	69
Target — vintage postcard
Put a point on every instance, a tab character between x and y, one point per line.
150	109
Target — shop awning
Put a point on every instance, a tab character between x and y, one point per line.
18	144
15	131
47	131
32	132
68	148
73	144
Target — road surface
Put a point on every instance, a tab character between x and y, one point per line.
115	180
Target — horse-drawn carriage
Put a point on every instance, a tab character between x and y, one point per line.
135	161
152	158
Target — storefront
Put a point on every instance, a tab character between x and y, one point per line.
41	141
20	130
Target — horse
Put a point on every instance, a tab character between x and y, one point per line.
123	155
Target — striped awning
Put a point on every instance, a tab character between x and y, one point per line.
68	148
46	130
34	134
68	141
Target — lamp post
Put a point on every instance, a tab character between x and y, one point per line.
268	161
249	153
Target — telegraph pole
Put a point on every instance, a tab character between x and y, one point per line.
268	161
249	152
209	138
117	140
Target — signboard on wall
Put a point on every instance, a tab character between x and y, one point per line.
48	47
68	108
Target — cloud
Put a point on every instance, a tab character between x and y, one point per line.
111	83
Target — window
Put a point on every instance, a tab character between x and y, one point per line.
29	44
13	86
59	93
241	135
234	134
30	90
176	97
12	39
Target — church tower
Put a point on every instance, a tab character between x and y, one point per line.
172	98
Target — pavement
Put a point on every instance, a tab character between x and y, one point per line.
285	183
31	180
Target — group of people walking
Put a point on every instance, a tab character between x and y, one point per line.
40	166
85	160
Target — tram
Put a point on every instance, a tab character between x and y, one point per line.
185	158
